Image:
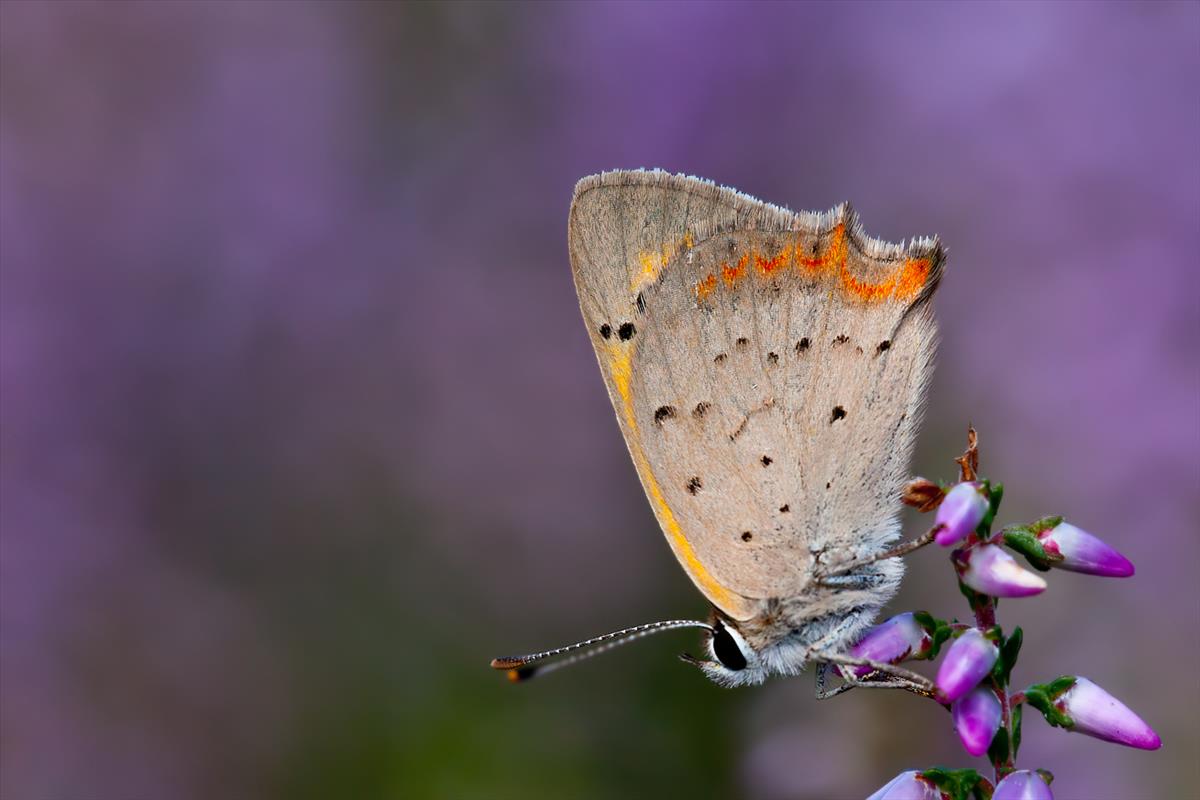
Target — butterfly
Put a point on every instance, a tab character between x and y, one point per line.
768	371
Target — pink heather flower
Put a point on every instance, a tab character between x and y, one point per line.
967	661
1023	785
977	718
992	571
897	639
1097	713
1082	552
908	786
960	513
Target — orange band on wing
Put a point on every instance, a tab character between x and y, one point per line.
835	252
904	283
732	274
706	287
780	261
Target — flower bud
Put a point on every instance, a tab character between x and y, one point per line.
961	511
922	494
990	570
977	718
1095	712
908	786
1079	551
892	641
967	661
1023	785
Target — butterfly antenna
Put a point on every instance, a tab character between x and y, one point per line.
522	668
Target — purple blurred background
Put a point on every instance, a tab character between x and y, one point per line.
301	425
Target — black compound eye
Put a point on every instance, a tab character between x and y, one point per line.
727	650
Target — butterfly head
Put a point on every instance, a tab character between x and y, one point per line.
732	660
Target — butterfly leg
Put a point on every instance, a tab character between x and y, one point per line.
882	676
823	576
862	580
822	692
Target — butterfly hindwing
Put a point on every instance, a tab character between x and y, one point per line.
767	371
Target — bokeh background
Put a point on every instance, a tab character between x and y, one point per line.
301	426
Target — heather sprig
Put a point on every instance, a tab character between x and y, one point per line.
977	658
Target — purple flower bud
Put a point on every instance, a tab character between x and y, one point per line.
908	786
897	639
1082	552
967	661
960	513
992	571
1023	785
977	718
1097	713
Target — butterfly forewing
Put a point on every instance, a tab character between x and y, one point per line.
767	373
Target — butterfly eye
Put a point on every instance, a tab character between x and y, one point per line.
726	649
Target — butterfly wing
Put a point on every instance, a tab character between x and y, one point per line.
767	370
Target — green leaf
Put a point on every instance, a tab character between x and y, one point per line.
1059	685
1025	542
998	749
1045	524
1042	697
927	621
939	638
959	784
1016	730
938	629
995	495
1010	648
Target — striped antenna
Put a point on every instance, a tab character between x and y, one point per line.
522	668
